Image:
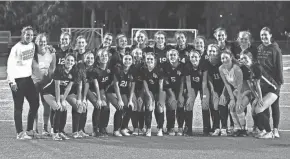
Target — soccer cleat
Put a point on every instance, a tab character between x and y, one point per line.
125	132
160	132
135	132
117	133
23	136
267	135
148	133
83	134
216	132
236	133
45	132
276	133
76	135
224	132
104	132
63	136
171	132
56	137
32	133
230	130
243	133
260	134
179	132
255	131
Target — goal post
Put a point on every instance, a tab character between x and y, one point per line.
190	34
93	36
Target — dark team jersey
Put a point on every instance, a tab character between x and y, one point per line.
204	61
80	56
214	74
152	78
104	77
237	51
137	73
64	78
117	58
173	76
184	53
195	75
124	79
60	55
160	54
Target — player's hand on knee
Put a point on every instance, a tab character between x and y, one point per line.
99	104
131	105
120	104
78	103
180	100
232	104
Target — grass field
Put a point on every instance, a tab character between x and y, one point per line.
141	147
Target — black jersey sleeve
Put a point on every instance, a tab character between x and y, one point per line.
246	72
257	71
58	73
187	69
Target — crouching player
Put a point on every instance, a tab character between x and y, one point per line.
56	92
194	78
173	71
154	94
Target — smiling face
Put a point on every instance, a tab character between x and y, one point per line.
81	43
265	37
194	58
107	41
127	60
42	43
244	39
122	42
173	56
28	36
64	40
221	36
90	59
246	60
140	38
226	59
103	57
160	39
199	44
212	52
137	54
180	39
69	62
150	61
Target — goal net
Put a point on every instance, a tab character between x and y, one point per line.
93	36
170	38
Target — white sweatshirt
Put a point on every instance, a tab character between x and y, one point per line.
19	64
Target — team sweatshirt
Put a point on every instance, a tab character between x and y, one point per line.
270	58
19	64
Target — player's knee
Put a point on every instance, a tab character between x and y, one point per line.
172	105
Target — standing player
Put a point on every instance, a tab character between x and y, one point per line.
43	67
270	58
80	48
141	39
56	92
120	51
182	47
19	71
194	79
245	43
63	48
154	94
106	43
173	71
120	95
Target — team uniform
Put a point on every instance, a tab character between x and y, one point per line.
173	81
116	58
184	52
61	54
160	54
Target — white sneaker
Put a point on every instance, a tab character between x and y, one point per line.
261	133
268	135
179	132
32	133
136	132
56	137
45	132
51	131
117	133
23	136
63	136
83	134
224	132
216	132
276	133
76	135
142	132
171	132
148	133
125	132
160	132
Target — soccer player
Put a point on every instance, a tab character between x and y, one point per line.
102	80
154	94
55	93
173	72
270	58
194	79
19	71
245	43
63	48
43	67
182	47
120	50
237	90
121	94
216	87
106	43
141	39
80	48
265	90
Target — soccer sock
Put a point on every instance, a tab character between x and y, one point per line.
51	117
141	119
180	117
260	121
134	119
118	119
96	119
242	119
63	119
56	121
223	110
206	120
148	119
235	120
105	116
160	120
188	120
232	123
126	118
216	119
75	120
255	120
83	120
275	113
